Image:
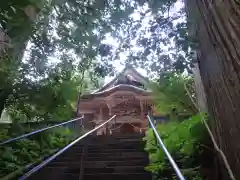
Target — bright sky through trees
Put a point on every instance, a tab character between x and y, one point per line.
119	64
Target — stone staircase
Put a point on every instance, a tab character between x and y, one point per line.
118	157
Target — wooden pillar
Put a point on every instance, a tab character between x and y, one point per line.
100	121
142	109
110	103
100	117
142	114
110	111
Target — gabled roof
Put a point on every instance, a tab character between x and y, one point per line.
114	85
128	70
113	89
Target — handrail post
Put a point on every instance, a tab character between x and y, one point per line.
174	165
106	129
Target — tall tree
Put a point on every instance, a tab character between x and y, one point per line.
17	20
217	26
60	29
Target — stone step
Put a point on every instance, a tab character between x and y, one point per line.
76	146
114	142
96	163
55	175
120	136
118	176
116	158
50	173
113	163
129	139
69	158
112	150
115	169
69	176
78	155
106	143
110	155
109	158
118	146
109	139
116	154
72	150
64	164
62	169
75	153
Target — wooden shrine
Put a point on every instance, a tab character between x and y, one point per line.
127	96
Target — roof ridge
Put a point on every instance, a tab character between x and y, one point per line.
127	67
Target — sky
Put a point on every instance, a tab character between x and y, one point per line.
118	64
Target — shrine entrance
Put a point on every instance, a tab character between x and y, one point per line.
126	128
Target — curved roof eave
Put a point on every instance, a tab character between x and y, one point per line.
111	90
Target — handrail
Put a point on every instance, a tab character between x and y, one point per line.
38	131
174	165
38	167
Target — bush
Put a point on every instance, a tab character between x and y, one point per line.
20	153
184	140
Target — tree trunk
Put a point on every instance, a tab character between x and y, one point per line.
199	89
3	97
217	25
1	107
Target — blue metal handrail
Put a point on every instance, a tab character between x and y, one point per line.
38	167
38	131
174	165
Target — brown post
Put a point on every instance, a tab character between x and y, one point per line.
142	109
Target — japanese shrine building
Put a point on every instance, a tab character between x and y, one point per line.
127	96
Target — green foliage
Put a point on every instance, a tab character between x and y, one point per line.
31	150
73	33
184	140
157	39
68	31
48	98
170	93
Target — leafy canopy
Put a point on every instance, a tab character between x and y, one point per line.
173	91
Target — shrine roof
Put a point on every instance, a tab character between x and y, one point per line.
128	70
123	87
